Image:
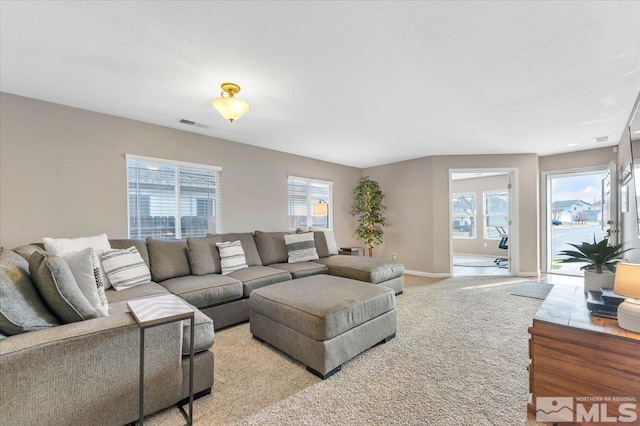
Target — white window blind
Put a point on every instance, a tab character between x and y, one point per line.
170	199
303	194
463	215
496	213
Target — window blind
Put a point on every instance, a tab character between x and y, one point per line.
303	194
463	215
172	200
496	213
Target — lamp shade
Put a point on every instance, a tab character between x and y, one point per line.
320	209
230	107
627	282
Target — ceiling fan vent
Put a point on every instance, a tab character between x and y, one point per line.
601	139
192	123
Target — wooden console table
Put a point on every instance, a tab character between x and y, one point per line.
574	354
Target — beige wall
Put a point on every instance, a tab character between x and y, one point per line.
418	209
63	174
479	245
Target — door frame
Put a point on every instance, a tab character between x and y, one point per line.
545	214
514	227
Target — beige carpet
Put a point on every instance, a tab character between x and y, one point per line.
460	357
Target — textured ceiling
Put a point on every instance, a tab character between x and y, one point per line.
356	83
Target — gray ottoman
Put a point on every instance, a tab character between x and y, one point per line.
323	321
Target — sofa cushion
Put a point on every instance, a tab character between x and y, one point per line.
59	289
259	276
168	258
231	256
85	269
141	245
301	247
321	242
206	290
330	239
271	247
125	268
322	307
248	246
21	308
362	268
302	269
27	250
137	292
204	255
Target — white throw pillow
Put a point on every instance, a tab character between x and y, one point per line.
330	237
61	246
125	268
301	247
231	256
84	268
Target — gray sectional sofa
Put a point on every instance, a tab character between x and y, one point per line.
87	372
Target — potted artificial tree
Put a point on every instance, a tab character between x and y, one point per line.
367	205
601	259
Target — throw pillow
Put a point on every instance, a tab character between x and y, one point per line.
60	246
59	289
125	268
231	257
21	308
84	267
301	247
330	237
203	254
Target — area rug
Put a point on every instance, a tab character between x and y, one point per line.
460	357
533	289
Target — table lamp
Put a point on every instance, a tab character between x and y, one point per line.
627	284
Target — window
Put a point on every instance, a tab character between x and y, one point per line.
170	199
303	194
463	215
496	213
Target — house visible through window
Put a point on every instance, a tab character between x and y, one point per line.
303	194
496	213
170	199
463	215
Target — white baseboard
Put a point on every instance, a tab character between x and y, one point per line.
427	274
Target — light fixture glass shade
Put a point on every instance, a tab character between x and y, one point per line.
230	107
320	209
627	281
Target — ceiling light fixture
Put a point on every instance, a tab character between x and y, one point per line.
573	144
229	106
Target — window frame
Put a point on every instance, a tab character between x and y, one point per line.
485	215
178	217
475	215
309	201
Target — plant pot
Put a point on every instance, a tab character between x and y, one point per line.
594	281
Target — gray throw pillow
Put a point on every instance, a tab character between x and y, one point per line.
168	259
204	255
57	286
21	308
301	247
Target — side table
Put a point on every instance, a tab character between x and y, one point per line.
351	251
151	312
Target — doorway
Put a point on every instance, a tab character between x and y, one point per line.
480	212
576	212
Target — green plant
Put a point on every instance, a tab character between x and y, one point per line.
597	255
367	205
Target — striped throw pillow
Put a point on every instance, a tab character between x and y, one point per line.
301	247
231	256
125	268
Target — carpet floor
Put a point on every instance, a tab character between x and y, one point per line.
460	357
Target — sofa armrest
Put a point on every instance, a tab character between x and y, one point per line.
87	372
